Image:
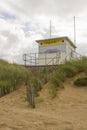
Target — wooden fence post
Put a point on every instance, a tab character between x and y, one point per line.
30	95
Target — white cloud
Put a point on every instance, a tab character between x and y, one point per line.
27	9
14	41
31	22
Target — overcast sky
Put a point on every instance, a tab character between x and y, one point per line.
24	21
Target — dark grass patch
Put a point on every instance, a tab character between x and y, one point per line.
81	82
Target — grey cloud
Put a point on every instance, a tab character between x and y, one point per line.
82	48
51	7
11	38
48	9
60	8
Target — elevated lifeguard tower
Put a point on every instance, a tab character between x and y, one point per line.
51	51
55	50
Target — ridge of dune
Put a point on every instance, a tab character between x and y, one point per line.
66	112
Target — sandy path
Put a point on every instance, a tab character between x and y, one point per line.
67	112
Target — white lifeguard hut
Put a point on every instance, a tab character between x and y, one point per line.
55	51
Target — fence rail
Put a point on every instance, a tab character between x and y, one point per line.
34	59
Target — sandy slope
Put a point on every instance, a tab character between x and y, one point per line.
67	112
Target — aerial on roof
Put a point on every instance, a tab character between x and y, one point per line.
54	41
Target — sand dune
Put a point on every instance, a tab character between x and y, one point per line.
66	112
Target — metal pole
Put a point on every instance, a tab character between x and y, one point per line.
50	28
74	30
24	58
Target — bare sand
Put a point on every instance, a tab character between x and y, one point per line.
66	112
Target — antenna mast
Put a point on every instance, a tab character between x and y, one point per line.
50	28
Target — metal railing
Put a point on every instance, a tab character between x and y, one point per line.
33	59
